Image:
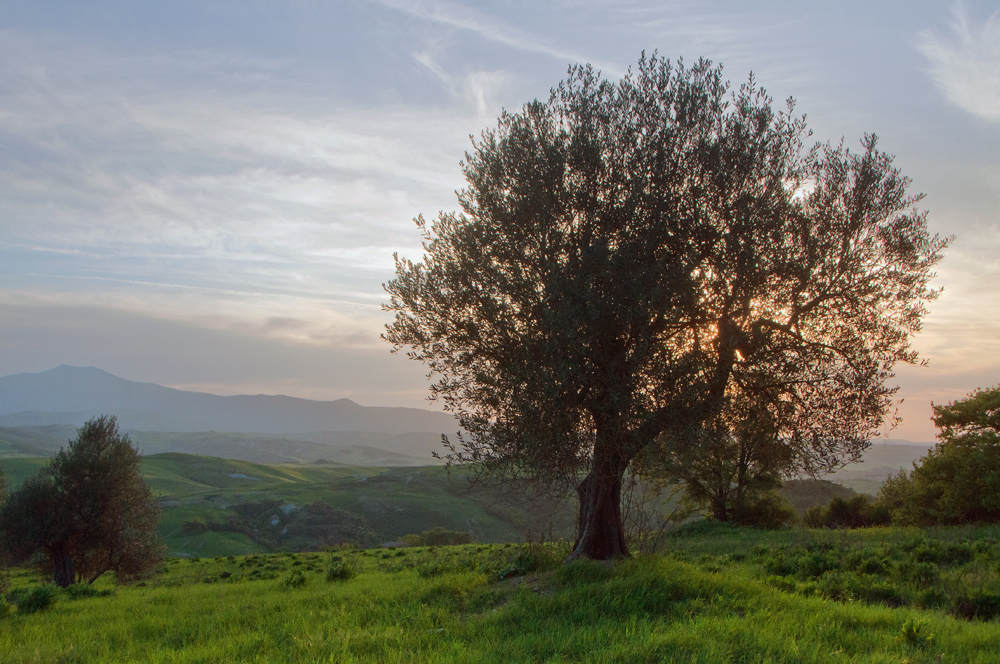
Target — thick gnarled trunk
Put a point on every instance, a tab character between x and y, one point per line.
63	572
600	530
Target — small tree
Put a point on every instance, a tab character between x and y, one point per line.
88	512
730	464
959	479
631	253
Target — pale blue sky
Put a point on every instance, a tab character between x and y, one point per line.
207	195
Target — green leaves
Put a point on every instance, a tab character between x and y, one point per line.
979	413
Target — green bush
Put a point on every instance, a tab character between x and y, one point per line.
37	599
338	570
294	579
437	536
535	557
80	590
958	482
856	512
769	511
977	605
914	633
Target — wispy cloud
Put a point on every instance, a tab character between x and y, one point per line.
134	181
490	27
965	62
479	90
272	217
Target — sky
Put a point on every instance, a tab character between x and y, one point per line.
208	195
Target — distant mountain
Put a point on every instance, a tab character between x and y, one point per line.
68	396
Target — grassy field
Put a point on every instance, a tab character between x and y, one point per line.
715	595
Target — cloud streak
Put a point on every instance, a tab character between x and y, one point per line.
489	27
965	62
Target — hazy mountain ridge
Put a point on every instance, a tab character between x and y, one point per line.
40	412
70	395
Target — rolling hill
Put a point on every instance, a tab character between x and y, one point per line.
214	507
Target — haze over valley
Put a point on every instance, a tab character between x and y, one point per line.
40	412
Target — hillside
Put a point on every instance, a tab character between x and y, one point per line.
214	507
358	448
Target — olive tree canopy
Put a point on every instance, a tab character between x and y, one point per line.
631	256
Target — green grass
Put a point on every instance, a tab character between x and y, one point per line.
450	604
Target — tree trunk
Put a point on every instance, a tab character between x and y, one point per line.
62	563
600	531
718	503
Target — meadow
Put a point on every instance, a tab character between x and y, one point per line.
714	594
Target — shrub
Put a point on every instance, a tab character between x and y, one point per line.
294	579
856	512
914	633
437	536
959	480
874	590
977	605
81	590
815	563
338	570
38	599
534	557
769	511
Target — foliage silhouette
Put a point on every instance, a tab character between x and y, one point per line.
633	258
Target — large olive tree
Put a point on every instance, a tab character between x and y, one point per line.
630	255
